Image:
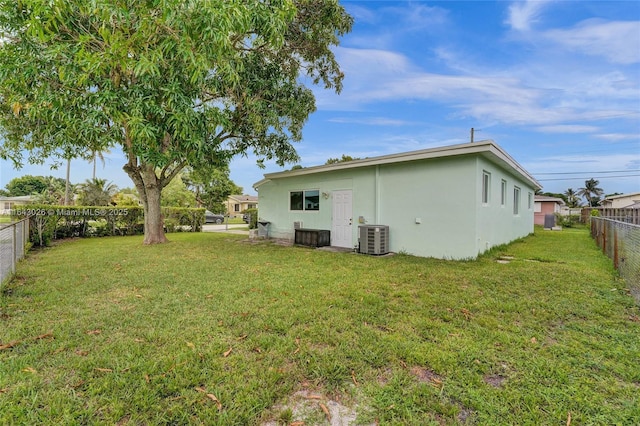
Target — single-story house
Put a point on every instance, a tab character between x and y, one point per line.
9	203
544	205
621	201
450	202
236	204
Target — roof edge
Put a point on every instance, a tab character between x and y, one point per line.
614	197
484	146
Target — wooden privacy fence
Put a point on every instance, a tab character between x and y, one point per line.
627	215
13	242
621	242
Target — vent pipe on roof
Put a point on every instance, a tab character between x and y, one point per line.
473	132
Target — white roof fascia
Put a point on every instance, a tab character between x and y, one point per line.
481	147
614	197
259	183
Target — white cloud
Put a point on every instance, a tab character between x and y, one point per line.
373	121
525	94
373	62
568	128
614	137
383	75
361	14
617	41
413	16
523	14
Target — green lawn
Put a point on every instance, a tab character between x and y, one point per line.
213	329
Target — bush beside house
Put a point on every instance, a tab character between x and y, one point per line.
56	222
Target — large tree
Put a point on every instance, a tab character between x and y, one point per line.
177	194
30	185
212	187
174	83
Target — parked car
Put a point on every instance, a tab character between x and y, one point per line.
245	218
212	217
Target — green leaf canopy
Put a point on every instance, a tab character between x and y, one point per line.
173	82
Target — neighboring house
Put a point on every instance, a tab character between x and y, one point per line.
450	202
236	204
544	205
621	201
634	206
9	203
625	208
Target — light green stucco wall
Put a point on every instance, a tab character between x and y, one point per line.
438	193
274	200
443	194
496	224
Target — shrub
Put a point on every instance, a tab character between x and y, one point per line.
567	221
54	222
253	218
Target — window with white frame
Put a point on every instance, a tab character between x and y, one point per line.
486	187
529	200
503	193
304	200
516	200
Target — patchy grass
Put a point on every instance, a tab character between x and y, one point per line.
212	329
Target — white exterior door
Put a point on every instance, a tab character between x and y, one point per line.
341	235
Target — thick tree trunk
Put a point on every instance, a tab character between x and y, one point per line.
153	219
150	190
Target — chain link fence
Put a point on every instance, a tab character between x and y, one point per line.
621	242
13	241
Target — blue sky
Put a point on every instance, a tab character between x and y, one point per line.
555	83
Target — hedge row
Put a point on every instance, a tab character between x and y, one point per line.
55	222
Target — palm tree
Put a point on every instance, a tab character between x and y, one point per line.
591	192
96	192
67	187
572	198
97	155
54	193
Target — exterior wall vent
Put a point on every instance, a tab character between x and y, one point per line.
373	239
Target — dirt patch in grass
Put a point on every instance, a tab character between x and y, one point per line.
307	407
465	416
426	375
385	376
495	380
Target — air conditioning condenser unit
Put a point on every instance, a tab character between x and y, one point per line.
373	239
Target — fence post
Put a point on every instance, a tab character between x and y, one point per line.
615	248
14	253
621	243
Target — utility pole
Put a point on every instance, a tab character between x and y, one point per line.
472	135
